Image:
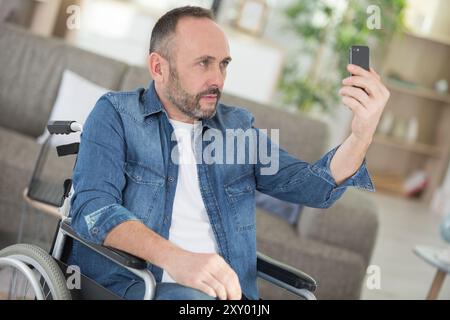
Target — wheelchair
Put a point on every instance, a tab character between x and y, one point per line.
41	275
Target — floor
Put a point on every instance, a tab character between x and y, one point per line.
404	224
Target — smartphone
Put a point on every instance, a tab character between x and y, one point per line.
359	55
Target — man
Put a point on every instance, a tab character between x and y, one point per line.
194	222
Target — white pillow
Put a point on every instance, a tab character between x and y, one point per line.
76	98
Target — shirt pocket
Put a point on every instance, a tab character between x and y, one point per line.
240	193
141	192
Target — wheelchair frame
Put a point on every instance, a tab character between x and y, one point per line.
275	272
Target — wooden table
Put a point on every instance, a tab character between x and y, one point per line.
431	256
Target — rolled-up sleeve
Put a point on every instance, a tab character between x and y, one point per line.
360	179
308	184
98	177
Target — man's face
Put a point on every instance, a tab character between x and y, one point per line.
197	67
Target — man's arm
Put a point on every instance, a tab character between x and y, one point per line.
297	181
143	243
348	158
207	272
320	184
366	96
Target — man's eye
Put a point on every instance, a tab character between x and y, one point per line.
204	63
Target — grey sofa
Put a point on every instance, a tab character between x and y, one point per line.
332	245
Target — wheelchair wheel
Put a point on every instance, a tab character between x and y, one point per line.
33	273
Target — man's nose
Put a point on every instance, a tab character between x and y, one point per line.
217	78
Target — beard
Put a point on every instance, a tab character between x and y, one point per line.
189	104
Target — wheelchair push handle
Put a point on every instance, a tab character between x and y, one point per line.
63	127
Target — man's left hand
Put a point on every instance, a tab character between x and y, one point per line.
366	96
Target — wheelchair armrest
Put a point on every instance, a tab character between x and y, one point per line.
284	273
116	255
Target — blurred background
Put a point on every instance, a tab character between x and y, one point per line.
291	56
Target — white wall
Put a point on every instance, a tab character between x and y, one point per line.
255	69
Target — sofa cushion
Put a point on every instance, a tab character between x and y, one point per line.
22	152
76	98
31	70
353	219
17	149
338	271
37	227
17	160
135	77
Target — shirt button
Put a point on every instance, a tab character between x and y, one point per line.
171	179
95	230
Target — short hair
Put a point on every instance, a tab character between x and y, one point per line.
166	25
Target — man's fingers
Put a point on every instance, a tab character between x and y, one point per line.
204	287
218	287
363	82
215	277
229	281
372	70
226	276
357	70
232	285
353	104
356	93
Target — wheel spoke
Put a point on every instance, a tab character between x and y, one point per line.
46	296
45	288
26	289
12	286
33	274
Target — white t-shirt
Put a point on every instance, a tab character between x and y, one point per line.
190	228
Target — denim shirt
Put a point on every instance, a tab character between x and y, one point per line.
125	172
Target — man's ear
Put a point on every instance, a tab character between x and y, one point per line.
155	67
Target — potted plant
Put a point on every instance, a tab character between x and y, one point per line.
332	26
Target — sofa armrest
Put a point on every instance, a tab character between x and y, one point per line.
351	223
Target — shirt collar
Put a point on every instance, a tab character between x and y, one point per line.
152	104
